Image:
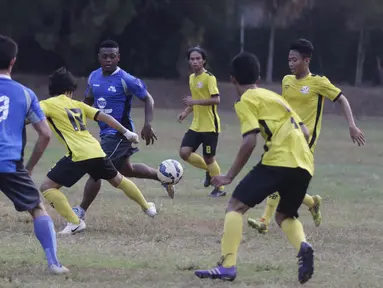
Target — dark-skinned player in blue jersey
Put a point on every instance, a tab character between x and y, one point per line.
111	90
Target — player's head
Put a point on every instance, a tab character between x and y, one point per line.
197	58
62	82
8	53
300	54
245	69
109	55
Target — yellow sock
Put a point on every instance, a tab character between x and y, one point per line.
131	190
197	161
294	231
214	170
58	200
308	201
231	238
271	205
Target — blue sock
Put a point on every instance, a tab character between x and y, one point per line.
45	233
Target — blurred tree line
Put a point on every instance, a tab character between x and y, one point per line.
154	34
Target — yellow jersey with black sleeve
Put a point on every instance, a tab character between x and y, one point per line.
306	97
261	110
205	118
67	118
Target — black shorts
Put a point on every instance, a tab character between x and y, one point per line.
20	189
194	139
67	173
117	148
262	181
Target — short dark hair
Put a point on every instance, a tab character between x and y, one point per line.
303	47
61	82
199	50
245	68
109	44
8	51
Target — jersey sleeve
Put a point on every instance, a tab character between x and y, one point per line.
248	119
90	112
327	89
284	81
35	113
212	86
135	86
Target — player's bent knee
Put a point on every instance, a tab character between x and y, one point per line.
236	206
38	211
279	218
185	153
116	181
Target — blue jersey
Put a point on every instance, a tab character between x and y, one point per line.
17	103
113	95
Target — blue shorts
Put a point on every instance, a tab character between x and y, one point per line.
20	189
117	148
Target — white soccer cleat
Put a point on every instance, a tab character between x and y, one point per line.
71	229
58	270
151	211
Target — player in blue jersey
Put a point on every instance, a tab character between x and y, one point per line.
18	103
111	90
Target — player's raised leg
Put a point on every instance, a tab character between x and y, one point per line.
262	224
64	173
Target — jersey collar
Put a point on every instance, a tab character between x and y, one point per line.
5	76
116	71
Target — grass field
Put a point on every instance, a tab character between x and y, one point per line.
122	247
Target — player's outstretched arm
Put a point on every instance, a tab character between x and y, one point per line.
248	144
131	136
355	133
44	136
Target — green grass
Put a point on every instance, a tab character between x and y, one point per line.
124	248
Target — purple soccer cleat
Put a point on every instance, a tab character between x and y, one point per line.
219	272
306	262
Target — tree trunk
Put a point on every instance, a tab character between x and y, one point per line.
270	59
360	57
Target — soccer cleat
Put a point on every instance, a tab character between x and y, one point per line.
58	270
170	189
79	212
305	262
151	211
71	229
219	272
315	210
217	193
207	180
259	225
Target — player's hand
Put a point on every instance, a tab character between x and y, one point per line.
357	136
221	180
29	171
147	134
182	116
188	101
132	137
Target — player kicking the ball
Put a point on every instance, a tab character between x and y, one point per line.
287	166
206	124
306	93
111	89
67	117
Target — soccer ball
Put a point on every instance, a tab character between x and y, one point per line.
170	171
